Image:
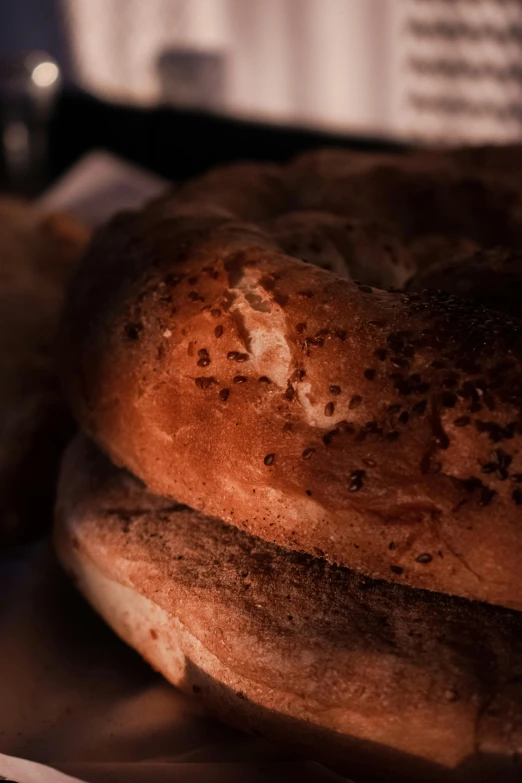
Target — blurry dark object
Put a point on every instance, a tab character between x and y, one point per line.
192	78
38	255
29	86
177	144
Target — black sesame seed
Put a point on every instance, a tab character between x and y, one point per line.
328	436
336	390
264	379
307	453
380	353
329	409
420	407
356	480
218	331
309	493
517	496
300	328
289	393
355	402
424	558
235	356
223	394
366	289
204	362
269	459
462	421
472	483
396	569
239	379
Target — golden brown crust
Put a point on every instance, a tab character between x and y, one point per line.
379	429
387	682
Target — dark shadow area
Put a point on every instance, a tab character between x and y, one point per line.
364	761
176	144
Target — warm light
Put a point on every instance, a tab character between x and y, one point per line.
45	74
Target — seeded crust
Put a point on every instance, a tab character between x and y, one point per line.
381	681
381	430
461	194
357	249
491	277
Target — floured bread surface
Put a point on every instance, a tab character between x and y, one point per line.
383	681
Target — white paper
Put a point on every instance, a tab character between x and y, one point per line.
100	185
23	771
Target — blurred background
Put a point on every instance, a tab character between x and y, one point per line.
252	78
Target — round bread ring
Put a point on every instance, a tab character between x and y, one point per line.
380	430
380	681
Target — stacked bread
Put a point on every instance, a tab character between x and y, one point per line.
298	492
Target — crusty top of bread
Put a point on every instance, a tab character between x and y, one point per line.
379	429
